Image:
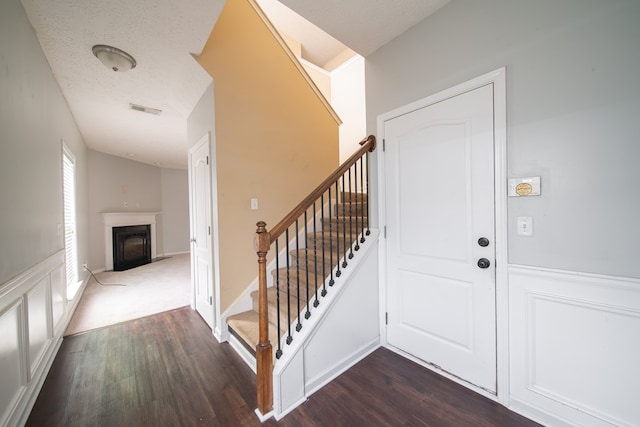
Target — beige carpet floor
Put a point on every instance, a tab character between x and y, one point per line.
152	288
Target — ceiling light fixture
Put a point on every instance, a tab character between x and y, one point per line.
114	58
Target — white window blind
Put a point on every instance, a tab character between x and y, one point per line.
69	191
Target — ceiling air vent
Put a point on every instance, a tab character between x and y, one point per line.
144	109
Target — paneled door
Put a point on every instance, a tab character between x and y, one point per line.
439	187
201	229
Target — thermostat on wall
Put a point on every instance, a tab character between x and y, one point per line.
529	186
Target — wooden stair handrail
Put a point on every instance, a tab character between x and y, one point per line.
367	144
263	240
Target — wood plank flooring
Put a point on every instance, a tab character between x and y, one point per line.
168	370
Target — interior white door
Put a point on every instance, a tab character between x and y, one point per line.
439	178
201	239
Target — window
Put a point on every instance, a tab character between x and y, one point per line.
70	240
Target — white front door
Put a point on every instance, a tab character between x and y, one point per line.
201	228
439	185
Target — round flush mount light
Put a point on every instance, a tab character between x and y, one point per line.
114	58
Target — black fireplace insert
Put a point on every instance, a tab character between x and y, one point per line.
131	246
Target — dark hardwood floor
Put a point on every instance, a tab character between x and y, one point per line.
168	370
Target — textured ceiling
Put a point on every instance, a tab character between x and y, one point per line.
161	36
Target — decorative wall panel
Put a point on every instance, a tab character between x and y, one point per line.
574	345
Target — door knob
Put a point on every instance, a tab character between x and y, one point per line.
483	263
483	241
192	240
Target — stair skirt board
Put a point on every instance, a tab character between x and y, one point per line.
342	330
244	302
242	351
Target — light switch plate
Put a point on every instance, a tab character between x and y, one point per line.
525	226
254	204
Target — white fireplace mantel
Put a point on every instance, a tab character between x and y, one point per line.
123	219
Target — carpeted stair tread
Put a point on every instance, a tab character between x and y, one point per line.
293	278
272	305
246	326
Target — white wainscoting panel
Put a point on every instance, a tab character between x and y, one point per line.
11	368
574	347
33	315
58	298
38	322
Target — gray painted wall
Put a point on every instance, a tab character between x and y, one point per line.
145	188
112	182
201	119
175	210
34	118
573	104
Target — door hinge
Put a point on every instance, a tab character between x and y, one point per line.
384	144
207	160
386	318
210	300
209	230
385	231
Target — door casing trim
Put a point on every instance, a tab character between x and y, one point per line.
498	79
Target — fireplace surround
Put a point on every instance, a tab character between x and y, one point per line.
123	219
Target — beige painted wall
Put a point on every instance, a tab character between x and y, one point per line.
275	139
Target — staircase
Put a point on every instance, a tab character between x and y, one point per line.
313	244
312	269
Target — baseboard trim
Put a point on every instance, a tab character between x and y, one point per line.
537	414
342	366
291	408
33	391
174	253
263	417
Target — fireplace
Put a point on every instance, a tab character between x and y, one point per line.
124	219
131	246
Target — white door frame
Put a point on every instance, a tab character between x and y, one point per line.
207	138
498	79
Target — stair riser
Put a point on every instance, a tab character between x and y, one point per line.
339	226
293	283
293	289
298	261
353	197
272	310
318	243
347	209
317	268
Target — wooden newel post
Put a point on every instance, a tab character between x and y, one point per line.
264	357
